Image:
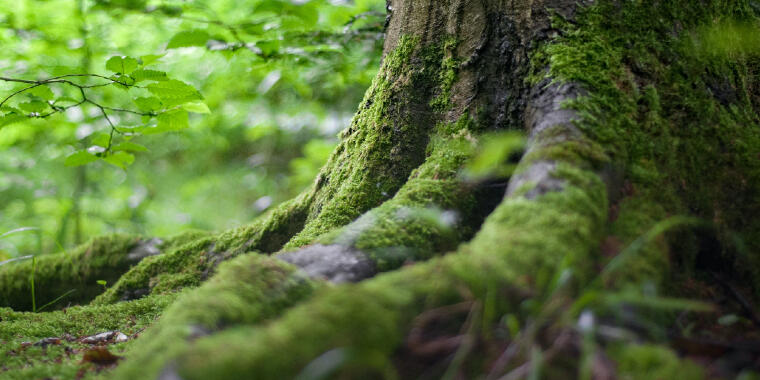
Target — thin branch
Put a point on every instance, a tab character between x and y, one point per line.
62	80
19	91
113	127
129	111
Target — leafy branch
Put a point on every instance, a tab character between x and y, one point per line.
81	87
168	106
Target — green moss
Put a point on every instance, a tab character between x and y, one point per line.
431	214
636	215
373	157
447	74
682	121
182	238
386	139
194	256
248	289
63	360
577	150
271	232
103	258
185	262
520	243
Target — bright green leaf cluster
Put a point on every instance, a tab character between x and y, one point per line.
282	82
189	38
121	65
165	111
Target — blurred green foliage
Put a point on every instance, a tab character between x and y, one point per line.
496	156
278	78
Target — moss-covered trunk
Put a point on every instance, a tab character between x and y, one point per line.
639	181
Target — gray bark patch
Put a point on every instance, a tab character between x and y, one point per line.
545	111
169	373
144	249
538	175
334	263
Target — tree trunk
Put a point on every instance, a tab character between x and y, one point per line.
631	120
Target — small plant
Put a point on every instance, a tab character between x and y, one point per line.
56	300
12	232
31	281
34	269
34	299
102	283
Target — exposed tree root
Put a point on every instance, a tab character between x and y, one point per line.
193	261
101	259
507	258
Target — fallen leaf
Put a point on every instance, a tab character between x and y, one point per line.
99	355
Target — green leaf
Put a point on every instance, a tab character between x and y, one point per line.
174	120
173	89
196	107
273	6
11	118
43	92
169	10
121	64
122	81
128	147
150	59
57	70
79	158
65	99
148	103
120	159
101	139
492	158
188	38
140	75
268	48
130	130
174	92
260	131
253	28
308	13
301	17
33	106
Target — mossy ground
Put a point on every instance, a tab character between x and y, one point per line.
19	331
248	290
678	120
